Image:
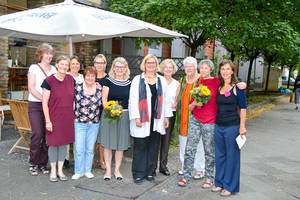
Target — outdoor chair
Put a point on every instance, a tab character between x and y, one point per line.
19	111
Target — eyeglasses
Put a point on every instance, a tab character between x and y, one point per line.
99	63
120	66
150	63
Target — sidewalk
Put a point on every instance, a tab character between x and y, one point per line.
270	169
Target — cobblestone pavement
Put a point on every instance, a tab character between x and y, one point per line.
270	169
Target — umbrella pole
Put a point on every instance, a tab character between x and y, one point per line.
71	46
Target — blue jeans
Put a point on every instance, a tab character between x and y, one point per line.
85	138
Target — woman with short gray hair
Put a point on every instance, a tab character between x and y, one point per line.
187	83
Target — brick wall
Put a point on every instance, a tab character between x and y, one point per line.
209	49
3	59
86	51
39	3
166	51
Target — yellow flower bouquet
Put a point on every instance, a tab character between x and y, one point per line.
201	94
113	111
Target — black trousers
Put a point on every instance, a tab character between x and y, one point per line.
143	155
163	146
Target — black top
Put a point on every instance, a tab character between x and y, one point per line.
153	97
100	80
228	107
296	85
118	90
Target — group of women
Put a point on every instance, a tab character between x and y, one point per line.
66	107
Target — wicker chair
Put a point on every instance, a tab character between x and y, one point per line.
19	111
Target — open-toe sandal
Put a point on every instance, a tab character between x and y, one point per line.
216	189
33	170
207	184
182	183
225	193
44	170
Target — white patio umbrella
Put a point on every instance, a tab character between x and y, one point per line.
72	22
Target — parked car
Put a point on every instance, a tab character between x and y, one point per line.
285	80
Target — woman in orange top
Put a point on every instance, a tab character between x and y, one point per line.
187	83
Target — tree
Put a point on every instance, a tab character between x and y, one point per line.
279	39
195	18
290	57
245	27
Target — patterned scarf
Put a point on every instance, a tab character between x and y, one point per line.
143	105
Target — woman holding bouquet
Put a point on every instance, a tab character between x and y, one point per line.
187	83
87	115
201	125
149	112
230	123
115	135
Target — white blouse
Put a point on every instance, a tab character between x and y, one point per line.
39	78
172	90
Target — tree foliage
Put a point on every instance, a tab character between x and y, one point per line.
195	18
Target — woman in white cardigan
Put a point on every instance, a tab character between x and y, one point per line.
148	113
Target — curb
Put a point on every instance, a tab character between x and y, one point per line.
263	103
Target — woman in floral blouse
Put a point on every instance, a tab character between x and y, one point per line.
88	98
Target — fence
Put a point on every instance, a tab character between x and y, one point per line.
134	63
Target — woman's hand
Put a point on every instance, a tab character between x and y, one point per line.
49	126
243	131
166	122
199	105
174	105
138	122
241	85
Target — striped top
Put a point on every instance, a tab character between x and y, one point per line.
118	90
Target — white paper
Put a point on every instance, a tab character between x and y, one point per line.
240	140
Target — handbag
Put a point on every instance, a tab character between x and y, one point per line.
292	97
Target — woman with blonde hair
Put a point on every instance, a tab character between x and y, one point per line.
38	155
115	136
148	113
167	68
100	65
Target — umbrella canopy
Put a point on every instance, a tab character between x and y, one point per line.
72	22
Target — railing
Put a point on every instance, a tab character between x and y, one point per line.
134	63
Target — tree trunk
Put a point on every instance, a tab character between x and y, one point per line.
193	51
249	74
267	79
290	72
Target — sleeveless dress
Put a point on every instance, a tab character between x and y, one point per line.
60	110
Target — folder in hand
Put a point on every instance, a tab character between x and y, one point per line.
240	140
